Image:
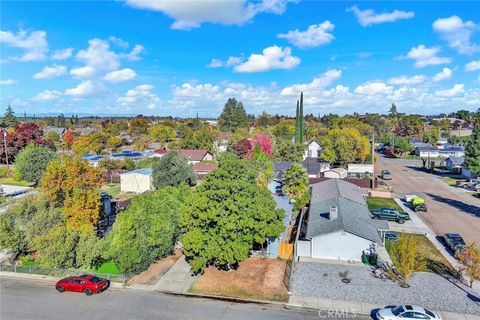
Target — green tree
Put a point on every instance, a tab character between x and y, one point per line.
402	145
344	145
147	230
161	133
233	116
172	170
9	120
431	136
472	151
295	185
227	215
286	150
31	162
299	121
285	129
201	138
263	165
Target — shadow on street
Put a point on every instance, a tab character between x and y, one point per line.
465	207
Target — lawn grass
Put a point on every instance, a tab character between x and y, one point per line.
255	278
12	182
452	181
434	260
108	267
111	189
375	203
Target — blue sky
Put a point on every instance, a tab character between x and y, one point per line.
183	57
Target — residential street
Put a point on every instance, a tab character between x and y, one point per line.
21	299
448	211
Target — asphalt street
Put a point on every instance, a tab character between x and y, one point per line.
25	299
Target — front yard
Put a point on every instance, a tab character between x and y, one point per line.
452	181
375	203
255	278
434	260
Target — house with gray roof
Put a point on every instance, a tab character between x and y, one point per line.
337	224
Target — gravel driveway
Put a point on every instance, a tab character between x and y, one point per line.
427	289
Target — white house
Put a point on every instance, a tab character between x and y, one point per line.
313	150
336	173
338	224
359	169
137	181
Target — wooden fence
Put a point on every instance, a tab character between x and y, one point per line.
285	250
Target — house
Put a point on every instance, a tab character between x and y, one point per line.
337	224
313	150
336	173
58	130
221	143
449	151
195	156
454	164
427	152
93	159
137	181
359	170
467	174
314	167
84	131
461	133
442	142
127	154
201	169
418	143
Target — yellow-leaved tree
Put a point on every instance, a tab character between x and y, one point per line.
73	185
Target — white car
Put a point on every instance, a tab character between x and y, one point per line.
406	312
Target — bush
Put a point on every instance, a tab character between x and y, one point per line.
31	162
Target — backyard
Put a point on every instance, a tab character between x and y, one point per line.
375	203
255	278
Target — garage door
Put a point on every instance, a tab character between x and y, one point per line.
339	246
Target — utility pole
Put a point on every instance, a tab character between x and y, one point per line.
6	152
373	160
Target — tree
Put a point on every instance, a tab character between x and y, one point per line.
472	151
344	145
264	143
138	126
227	216
172	170
285	129
295	185
201	138
9	120
72	184
264	120
242	147
233	116
402	145
410	126
31	162
68	139
262	164
470	258
463	114
299	121
286	150
393	111
406	256
161	133
147	230
431	136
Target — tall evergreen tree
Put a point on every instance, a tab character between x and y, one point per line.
233	116
472	151
299	121
9	120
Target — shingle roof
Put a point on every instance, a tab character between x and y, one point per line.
456	160
353	214
204	166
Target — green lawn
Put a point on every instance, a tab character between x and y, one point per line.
12	182
452	181
108	267
434	260
112	189
379	203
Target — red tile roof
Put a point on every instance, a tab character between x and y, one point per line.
204	166
193	155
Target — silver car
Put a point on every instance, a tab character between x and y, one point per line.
406	312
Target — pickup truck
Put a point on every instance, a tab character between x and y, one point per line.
390	214
454	241
473	184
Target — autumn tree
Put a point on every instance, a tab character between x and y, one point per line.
201	138
344	145
138	126
72	184
68	139
227	216
31	162
470	258
161	133
262	164
296	186
233	116
242	147
264	143
406	257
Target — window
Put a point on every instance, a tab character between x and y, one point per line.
419	315
408	315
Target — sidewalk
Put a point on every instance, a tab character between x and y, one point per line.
177	280
357	307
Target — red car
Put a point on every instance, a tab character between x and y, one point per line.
87	284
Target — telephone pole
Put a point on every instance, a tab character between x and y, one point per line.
373	160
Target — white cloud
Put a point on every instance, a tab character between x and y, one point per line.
34	44
51	72
373	88
273	57
368	17
97	56
191	14
455	91
446	73
315	36
140	96
118	42
472	66
425	56
8	82
83	72
231	61
120	75
134	55
321	81
85	89
215	63
457	33
405	80
62	54
47	96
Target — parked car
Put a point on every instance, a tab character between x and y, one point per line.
473	185
386	175
418	204
390	214
454	241
409	197
406	312
87	284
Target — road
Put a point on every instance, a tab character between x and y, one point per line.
24	299
448	210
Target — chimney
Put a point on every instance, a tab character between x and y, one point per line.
333	213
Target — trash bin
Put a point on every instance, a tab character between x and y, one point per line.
364	258
373	259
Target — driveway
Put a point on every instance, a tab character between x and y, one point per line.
448	210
